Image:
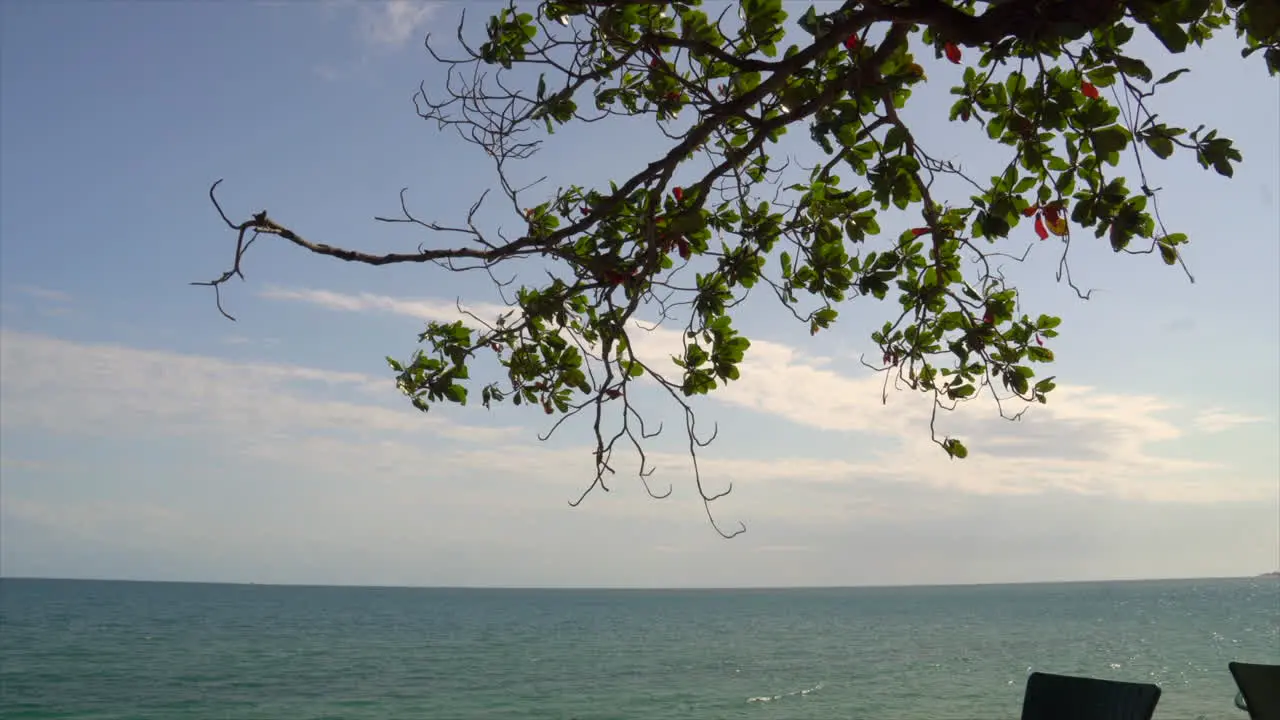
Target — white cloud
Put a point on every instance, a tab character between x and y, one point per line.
44	301
235	339
328	72
1085	441
1217	420
471	480
329	475
393	23
42	293
422	309
95	519
62	386
381	25
785	548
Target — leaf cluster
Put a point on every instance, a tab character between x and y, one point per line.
1054	85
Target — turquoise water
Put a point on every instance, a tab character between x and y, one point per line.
71	649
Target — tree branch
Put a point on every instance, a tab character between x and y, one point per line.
1023	19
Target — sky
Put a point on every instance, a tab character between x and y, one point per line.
144	436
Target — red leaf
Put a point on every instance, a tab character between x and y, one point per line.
1041	230
1039	341
1089	90
917	232
952	52
988	318
683	246
654	63
585	210
1032	210
1052	212
613	393
1054	220
851	43
677	193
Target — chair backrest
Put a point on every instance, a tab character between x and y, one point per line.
1066	697
1260	686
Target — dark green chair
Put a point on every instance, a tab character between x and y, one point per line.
1260	686
1066	697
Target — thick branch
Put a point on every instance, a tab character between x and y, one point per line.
1024	19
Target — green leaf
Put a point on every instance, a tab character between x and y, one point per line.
456	393
1170	34
825	316
1110	139
1036	353
1185	11
895	138
1161	147
1133	68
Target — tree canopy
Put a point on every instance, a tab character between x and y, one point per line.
1054	84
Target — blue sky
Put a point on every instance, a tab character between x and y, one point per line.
144	436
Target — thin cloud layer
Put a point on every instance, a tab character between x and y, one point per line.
422	308
331	470
1086	441
35	300
1217	420
41	293
97	389
394	23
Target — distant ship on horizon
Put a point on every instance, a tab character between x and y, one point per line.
1274	574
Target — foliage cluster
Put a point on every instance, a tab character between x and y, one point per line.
1054	84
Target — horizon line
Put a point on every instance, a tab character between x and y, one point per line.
638	588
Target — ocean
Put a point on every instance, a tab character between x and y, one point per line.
125	650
